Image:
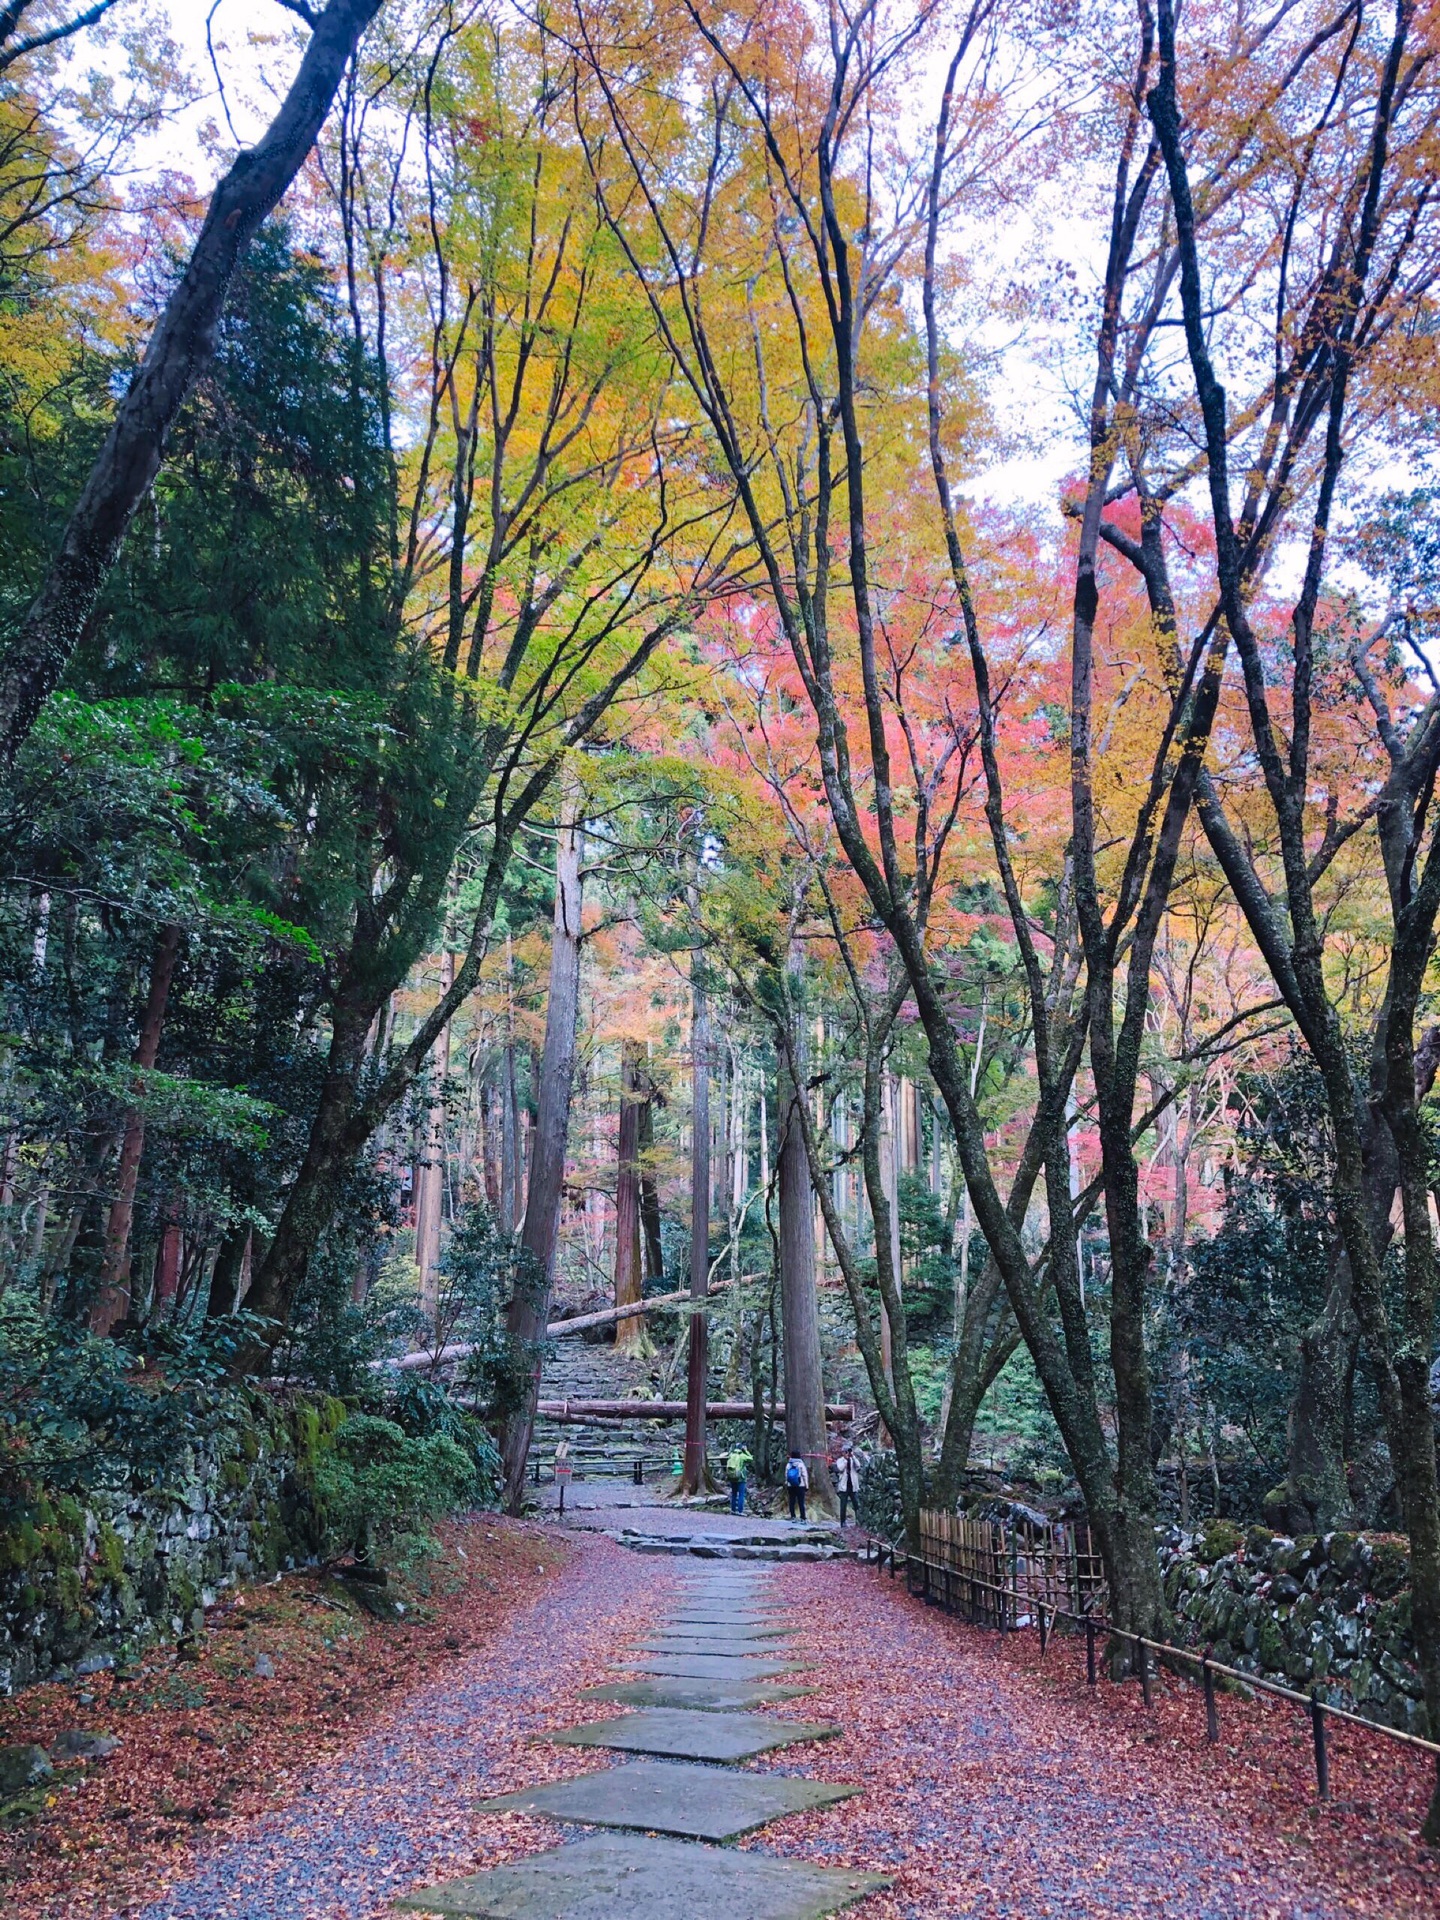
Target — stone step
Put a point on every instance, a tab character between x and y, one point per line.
718	1547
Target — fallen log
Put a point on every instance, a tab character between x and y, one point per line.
557	1329
577	1410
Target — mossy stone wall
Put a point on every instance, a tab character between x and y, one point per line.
101	1576
1332	1612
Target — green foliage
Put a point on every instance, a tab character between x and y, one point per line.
1016	1410
1252	1290
78	1412
482	1268
424	1410
930	1265
202	768
378	1485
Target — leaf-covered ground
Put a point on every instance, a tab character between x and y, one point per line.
206	1746
993	1785
998	1785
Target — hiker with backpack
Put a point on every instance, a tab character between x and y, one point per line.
797	1482
737	1466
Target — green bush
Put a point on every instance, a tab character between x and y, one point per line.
422	1408
378	1485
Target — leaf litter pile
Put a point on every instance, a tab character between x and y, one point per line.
996	1784
359	1714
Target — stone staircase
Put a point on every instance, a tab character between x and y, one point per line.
604	1449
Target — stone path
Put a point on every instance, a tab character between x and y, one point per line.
659	1854
986	1794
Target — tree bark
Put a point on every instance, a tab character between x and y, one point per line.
649	1192
629	1333
167	1270
799	1307
698	1354
181	345
112	1300
530	1308
430	1188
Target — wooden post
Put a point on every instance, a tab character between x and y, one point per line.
1322	1751
1212	1717
1089	1650
1143	1654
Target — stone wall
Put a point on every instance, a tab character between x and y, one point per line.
1331	1612
86	1579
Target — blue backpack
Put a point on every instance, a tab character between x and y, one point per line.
792	1474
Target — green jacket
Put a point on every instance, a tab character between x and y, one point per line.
737	1464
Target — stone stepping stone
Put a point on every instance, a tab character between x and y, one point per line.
731	1646
674	1797
611	1873
707	1696
756	1626
710	1666
679	1733
730	1628
738	1599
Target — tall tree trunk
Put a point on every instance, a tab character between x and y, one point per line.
179	349
630	1332
430	1186
167	1270
698	1356
1317	1495
799	1307
510	1208
649	1192
530	1308
112	1299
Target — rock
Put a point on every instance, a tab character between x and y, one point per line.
95	1663
77	1745
264	1668
22	1767
1220	1539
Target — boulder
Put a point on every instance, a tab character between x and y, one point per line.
22	1768
74	1744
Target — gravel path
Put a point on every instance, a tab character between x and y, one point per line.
398	1809
991	1789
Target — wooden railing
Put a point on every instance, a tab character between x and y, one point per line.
1014	1575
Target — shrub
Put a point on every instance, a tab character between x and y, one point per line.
378	1485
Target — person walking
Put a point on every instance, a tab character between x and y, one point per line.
847	1479
797	1483
737	1466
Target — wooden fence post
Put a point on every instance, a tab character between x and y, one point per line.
1322	1751
1212	1717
